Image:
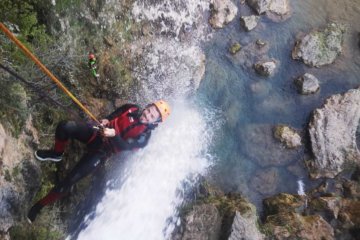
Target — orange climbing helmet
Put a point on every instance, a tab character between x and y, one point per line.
163	108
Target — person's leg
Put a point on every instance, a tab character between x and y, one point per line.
87	165
66	130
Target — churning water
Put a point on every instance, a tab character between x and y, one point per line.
152	177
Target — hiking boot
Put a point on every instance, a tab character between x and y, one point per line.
48	155
34	211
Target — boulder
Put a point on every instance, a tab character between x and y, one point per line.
287	135
203	222
332	132
275	9
284	202
327	206
350	211
249	22
259	136
290	225
265	181
245	228
320	47
222	13
265	68
307	84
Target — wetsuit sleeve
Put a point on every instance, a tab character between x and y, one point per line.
120	110
131	143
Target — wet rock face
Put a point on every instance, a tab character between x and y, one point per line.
245	228
222	12
307	84
249	22
202	223
265	68
284	202
288	136
265	181
258	136
332	132
319	48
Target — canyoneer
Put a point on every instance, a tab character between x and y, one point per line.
126	128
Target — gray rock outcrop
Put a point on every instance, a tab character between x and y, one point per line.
333	134
319	48
202	223
265	68
249	22
280	8
288	136
222	13
307	84
245	228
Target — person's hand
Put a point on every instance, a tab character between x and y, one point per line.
107	132
104	122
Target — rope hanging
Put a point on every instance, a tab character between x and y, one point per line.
45	70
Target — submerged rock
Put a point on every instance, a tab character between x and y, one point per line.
259	144
222	13
319	48
307	84
265	181
288	136
332	132
235	48
249	22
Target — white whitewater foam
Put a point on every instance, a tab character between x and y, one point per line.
301	187
147	198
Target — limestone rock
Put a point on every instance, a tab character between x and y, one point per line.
332	132
307	84
288	136
327	205
265	68
249	22
258	136
351	208
265	181
284	202
289	225
279	8
222	13
319	48
202	223
245	228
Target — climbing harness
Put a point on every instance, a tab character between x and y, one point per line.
45	70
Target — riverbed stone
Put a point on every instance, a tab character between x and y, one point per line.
320	47
307	84
265	68
287	136
332	132
265	181
260	136
249	22
236	47
222	13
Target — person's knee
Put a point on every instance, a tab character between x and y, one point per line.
65	129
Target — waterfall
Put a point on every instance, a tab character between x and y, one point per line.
151	179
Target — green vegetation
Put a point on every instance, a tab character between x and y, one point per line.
21	232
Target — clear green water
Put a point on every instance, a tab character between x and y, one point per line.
228	85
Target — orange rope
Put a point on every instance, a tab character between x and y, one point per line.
45	70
